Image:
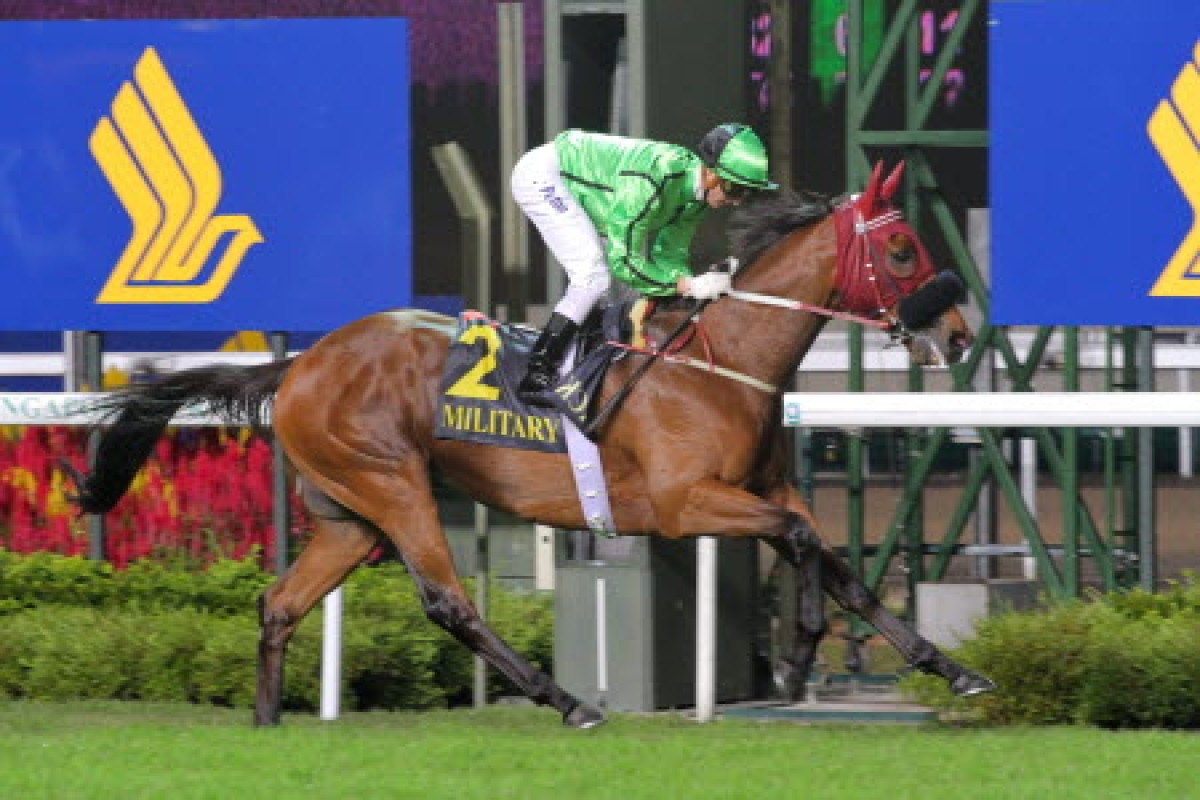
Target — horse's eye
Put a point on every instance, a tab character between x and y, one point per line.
900	248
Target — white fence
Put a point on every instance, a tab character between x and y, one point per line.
820	410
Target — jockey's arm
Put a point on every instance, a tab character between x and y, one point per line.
634	220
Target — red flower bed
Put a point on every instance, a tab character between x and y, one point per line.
205	493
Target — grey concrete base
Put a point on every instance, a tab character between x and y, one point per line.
825	711
866	699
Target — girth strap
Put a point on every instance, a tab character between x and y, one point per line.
707	366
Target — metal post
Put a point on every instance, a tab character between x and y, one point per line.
635	37
780	88
481	596
1147	542
706	628
1029	484
1128	457
1070	477
514	232
281	516
92	371
554	87
470	202
1185	434
855	173
331	656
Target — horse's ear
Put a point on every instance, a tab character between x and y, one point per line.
870	194
892	183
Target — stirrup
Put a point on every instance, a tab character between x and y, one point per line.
536	386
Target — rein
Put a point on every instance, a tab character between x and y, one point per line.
795	305
672	356
669	350
863	243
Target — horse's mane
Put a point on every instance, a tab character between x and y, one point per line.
769	216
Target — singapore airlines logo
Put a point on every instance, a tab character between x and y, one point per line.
1174	129
168	180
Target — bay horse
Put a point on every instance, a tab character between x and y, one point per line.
689	453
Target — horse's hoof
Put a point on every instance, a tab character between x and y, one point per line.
789	685
583	717
969	684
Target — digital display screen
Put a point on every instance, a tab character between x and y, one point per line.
828	33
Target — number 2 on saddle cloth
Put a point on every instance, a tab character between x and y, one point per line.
479	400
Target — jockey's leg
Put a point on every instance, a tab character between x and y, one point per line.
545	359
566	229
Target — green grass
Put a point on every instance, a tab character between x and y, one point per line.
140	750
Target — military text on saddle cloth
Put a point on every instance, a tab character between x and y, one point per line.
478	389
479	400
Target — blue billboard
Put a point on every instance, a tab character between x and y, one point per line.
1095	162
204	174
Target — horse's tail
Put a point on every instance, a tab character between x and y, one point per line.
139	415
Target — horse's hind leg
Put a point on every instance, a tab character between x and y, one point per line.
447	605
337	547
792	674
405	511
853	595
811	625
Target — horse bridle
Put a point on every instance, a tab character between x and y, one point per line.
885	320
895	328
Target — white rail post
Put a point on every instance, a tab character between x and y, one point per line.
331	656
1029	484
1185	433
706	628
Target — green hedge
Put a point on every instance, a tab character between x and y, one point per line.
225	587
1125	660
78	629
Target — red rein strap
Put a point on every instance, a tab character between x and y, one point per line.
857	284
651	349
782	302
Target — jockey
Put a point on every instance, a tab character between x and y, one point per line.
627	208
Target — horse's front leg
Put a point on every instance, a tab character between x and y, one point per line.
811	626
715	508
852	594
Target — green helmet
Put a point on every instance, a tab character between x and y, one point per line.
736	153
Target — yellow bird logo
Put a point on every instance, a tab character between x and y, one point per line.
1174	128
162	170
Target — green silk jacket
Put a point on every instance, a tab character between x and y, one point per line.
641	196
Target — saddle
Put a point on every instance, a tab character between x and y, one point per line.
478	390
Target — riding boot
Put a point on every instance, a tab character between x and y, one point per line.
545	358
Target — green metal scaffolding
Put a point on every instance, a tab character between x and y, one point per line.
1121	545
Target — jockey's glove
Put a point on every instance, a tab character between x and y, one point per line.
708	286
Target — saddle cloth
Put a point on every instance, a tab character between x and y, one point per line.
478	390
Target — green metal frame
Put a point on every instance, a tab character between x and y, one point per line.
927	208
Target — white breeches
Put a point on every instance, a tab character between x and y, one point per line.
541	193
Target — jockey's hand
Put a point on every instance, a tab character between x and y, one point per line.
708	286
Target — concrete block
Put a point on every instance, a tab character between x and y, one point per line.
948	611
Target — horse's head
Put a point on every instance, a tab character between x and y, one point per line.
884	270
